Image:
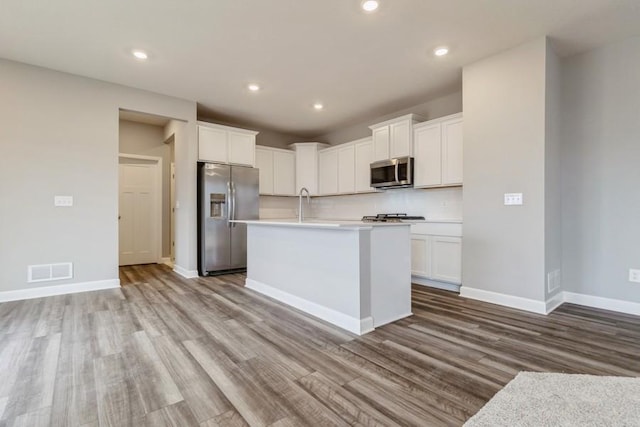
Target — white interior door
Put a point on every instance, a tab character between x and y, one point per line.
138	215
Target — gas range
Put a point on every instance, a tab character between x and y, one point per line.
391	217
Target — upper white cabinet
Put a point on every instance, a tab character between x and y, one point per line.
347	169
393	138
276	171
306	161
328	164
344	169
363	157
438	152
224	144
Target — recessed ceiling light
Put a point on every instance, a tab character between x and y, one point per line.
140	54
441	51
369	5
253	87
318	106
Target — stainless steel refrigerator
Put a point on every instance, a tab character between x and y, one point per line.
224	193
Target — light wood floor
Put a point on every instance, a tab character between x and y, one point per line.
168	351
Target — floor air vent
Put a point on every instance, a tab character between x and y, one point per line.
47	272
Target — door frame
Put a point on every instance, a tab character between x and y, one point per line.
157	202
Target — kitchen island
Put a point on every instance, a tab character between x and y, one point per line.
352	274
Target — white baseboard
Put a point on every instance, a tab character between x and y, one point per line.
351	324
620	306
435	284
512	301
48	291
552	303
187	274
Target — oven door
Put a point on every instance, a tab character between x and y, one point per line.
392	173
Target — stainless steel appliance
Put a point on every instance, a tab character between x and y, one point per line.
393	173
225	193
392	217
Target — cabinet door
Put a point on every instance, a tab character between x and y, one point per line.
328	172
446	259
420	255
241	148
363	159
452	152
400	139
380	143
346	170
264	163
427	151
284	174
212	145
307	169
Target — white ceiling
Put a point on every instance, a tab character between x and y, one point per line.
300	51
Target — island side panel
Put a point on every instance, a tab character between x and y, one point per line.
316	270
390	274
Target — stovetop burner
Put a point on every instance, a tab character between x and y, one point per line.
391	217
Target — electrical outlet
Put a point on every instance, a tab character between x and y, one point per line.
634	275
511	199
63	201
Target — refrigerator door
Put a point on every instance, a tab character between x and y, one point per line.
245	205
214	201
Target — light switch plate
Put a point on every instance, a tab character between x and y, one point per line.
634	275
63	201
511	199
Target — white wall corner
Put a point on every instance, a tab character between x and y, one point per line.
554	302
512	301
187	274
48	291
621	306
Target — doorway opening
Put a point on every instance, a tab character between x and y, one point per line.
146	188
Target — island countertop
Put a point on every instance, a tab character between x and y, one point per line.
321	223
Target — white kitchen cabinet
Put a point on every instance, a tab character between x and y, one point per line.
438	152
436	254
380	143
284	173
437	258
446	259
328	171
452	138
276	171
393	138
363	152
224	144
264	163
347	169
306	161
420	255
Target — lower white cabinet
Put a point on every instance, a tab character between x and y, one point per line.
437	258
276	171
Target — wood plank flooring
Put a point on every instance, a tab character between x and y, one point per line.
166	351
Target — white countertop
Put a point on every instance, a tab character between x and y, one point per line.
321	223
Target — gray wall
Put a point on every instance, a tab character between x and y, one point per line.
552	181
439	107
504	131
148	140
59	136
601	170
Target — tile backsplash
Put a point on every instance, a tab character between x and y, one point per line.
433	204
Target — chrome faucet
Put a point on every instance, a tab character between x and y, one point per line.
302	190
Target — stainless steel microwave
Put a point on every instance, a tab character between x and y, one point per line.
393	173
